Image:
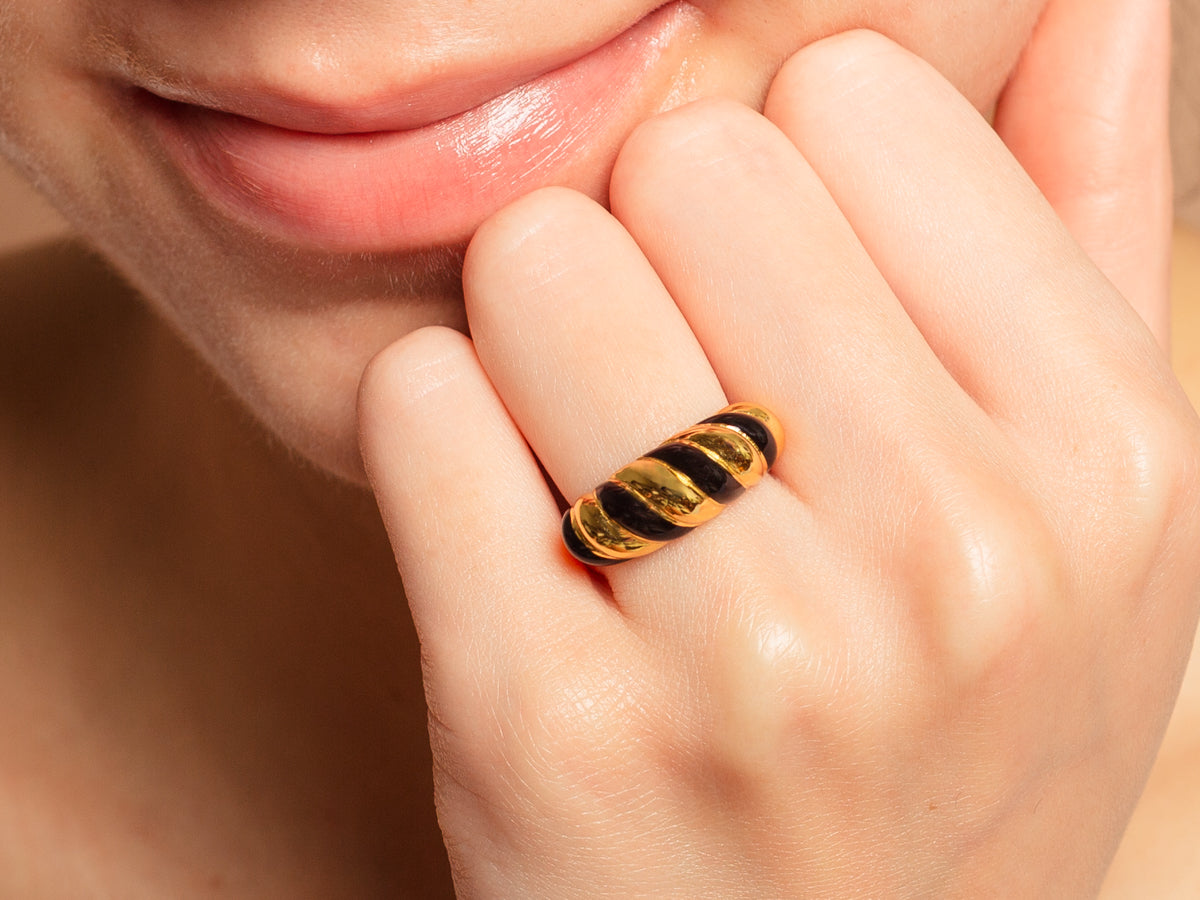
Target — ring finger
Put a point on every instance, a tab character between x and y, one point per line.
597	366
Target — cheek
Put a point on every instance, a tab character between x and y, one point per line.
17	59
53	121
974	43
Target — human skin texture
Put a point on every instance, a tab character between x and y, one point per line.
291	327
934	652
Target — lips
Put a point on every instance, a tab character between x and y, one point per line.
420	171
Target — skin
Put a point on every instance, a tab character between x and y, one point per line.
997	505
296	366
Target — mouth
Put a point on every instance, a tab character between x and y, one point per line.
420	170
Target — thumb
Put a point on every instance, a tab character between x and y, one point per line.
1086	113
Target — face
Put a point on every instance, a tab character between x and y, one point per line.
292	183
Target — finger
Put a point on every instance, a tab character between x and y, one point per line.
579	336
901	470
1086	113
471	519
788	305
597	366
1004	295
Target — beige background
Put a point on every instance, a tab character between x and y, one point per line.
25	218
1185	114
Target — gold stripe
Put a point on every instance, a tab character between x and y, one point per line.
669	492
763	415
729	448
603	536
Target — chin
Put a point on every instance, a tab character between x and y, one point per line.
338	456
310	413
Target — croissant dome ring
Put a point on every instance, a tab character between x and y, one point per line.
681	484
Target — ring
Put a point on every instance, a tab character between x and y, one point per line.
682	483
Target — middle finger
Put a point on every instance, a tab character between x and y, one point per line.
786	301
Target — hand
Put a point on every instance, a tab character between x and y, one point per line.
932	654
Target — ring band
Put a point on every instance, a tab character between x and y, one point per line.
684	482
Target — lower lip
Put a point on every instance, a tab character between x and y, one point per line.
429	186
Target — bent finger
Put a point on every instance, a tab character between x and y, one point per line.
1086	114
967	242
471	519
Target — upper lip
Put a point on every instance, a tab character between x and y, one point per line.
398	107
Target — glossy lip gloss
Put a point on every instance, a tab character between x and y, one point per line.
428	185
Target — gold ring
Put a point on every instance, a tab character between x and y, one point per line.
680	484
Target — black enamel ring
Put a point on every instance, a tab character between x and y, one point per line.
680	484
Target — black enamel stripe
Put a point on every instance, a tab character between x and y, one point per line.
578	548
705	472
753	428
629	511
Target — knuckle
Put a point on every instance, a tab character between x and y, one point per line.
715	136
989	573
531	234
688	129
575	726
406	372
1188	478
838	57
766	693
545	737
1139	478
1155	459
843	78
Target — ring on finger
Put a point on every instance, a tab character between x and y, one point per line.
684	482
